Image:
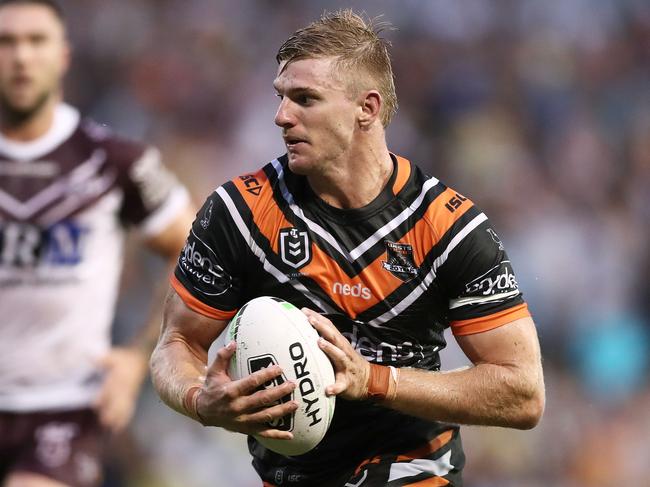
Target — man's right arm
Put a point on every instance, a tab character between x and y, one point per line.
185	383
179	360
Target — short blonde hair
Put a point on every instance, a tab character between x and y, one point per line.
357	45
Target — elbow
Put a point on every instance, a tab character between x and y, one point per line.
531	411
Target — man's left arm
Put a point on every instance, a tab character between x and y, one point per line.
126	366
503	387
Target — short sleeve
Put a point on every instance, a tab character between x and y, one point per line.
208	276
480	284
153	196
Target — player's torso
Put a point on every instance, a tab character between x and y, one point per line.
372	270
60	254
52	208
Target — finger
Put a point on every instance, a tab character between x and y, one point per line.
275	434
264	417
339	360
222	360
267	397
247	385
323	326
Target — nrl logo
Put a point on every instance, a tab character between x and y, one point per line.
294	247
399	261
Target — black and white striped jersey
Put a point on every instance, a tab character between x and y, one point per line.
392	276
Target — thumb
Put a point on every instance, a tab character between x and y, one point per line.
222	360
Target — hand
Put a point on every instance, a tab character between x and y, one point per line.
237	405
125	369
351	370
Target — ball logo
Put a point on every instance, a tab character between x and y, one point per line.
305	384
260	362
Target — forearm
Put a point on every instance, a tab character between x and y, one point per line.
485	394
175	369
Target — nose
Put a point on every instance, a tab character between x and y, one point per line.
283	117
21	52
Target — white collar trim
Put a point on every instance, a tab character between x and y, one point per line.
65	122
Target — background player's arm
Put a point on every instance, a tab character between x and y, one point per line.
126	366
179	363
504	387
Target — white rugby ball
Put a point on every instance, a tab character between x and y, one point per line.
272	331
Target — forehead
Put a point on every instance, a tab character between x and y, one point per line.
314	73
28	18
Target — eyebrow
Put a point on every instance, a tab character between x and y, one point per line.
299	90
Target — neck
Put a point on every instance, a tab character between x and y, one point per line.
31	127
357	180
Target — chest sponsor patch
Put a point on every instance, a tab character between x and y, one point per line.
399	261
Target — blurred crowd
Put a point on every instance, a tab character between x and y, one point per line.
537	110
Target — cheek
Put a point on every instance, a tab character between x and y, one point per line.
53	61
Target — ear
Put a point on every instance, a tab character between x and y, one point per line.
370	104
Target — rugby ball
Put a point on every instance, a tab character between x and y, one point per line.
270	331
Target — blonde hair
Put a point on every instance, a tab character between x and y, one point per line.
357	45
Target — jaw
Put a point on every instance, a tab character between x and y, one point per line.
23	109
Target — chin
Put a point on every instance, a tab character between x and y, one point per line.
22	108
299	164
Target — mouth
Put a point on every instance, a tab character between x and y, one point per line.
293	142
21	81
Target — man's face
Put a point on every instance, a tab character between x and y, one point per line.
33	56
317	114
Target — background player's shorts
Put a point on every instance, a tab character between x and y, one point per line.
65	446
438	463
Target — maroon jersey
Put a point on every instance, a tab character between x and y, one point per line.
65	201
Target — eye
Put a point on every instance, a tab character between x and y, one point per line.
304	99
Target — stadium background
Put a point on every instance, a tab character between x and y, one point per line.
538	110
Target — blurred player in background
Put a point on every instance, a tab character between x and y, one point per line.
388	256
68	189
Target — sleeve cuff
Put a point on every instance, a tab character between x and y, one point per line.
196	305
489	322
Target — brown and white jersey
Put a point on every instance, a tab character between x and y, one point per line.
391	276
65	201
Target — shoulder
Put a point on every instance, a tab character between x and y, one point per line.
121	151
263	188
443	209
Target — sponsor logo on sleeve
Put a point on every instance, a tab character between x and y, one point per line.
499	279
199	262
